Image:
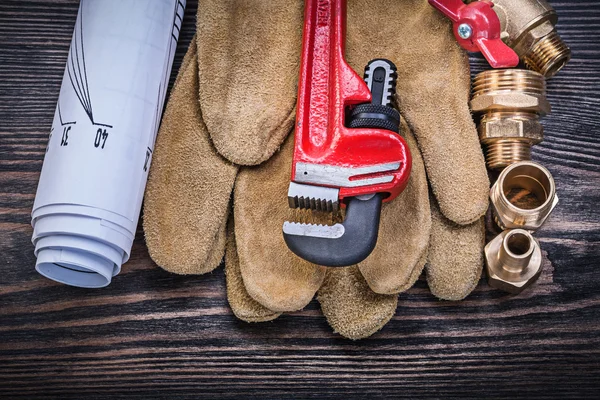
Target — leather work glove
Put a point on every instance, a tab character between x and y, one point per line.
233	104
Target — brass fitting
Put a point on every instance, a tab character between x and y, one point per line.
529	27
513	261
510	103
524	196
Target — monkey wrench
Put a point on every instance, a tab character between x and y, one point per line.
347	149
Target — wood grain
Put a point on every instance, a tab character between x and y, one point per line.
155	335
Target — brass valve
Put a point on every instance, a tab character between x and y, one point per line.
513	261
509	103
529	28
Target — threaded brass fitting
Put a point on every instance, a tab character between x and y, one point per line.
528	26
509	103
548	56
519	182
513	261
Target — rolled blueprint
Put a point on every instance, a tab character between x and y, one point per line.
100	147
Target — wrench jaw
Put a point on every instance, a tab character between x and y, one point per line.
361	190
340	245
344	244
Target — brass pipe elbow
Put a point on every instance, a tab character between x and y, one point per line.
513	261
513	211
509	103
529	28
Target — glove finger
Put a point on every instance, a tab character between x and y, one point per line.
243	306
433	87
189	186
249	54
273	275
455	257
404	231
352	309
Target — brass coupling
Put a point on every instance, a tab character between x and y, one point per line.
529	28
524	196
513	261
509	104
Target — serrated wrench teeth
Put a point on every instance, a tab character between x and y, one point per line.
315	198
316	231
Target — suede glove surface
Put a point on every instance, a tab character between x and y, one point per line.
233	106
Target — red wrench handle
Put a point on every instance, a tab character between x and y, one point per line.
327	88
327	83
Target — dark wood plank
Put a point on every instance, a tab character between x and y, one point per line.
155	335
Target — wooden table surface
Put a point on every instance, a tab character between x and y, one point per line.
151	334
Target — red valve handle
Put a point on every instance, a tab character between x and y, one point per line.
477	28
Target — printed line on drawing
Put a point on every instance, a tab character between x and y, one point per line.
77	71
61	120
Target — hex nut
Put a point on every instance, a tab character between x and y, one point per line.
515	101
513	261
504	128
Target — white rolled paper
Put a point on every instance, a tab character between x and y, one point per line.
95	170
